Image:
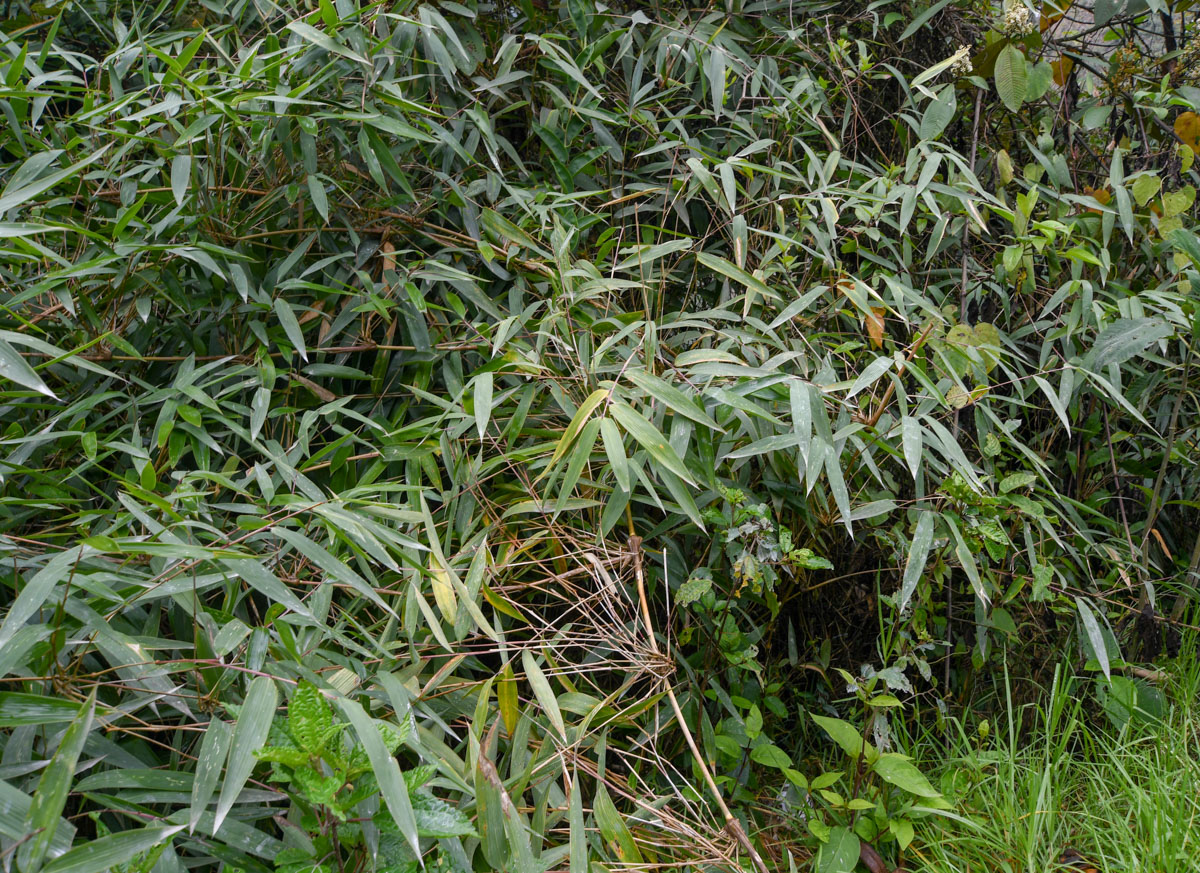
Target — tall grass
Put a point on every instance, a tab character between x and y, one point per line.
1054	785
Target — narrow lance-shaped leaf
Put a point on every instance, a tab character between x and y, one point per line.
214	749
249	733
649	437
38	589
918	553
543	692
386	770
15	368
111	852
1095	636
51	795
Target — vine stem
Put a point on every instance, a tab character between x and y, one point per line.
731	823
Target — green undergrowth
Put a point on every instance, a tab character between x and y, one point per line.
1057	785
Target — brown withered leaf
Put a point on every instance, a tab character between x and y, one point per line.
875	326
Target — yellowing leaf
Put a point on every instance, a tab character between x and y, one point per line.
506	695
1062	69
1178	202
443	591
1145	187
1187	128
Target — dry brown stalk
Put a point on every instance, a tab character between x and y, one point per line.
731	823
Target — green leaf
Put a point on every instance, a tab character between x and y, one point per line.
266	583
109	853
291	325
577	421
1144	187
845	735
336	568
50	798
214	749
309	718
613	829
316	191
483	401
16	196
324	41
1094	636
649	438
251	729
1125	339
38	589
543	692
1011	77
16	369
899	771
437	819
840	853
181	176
671	397
911	438
770	755
614	449
694	588
740	276
386	771
918	554
18	708
578	836
1013	481
902	830
939	113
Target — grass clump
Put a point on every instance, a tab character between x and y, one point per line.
1057	785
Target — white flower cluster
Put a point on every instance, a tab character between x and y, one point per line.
961	62
1018	21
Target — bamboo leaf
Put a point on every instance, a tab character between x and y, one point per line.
50	798
249	732
543	692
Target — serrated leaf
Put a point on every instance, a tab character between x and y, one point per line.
438	819
309	717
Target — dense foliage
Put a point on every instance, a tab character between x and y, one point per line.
547	435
